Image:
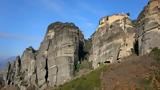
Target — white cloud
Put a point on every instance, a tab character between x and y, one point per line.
53	4
89	24
11	36
91	8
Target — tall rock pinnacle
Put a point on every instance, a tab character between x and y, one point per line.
148	27
113	40
55	61
58	53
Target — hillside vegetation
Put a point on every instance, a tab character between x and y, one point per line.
133	73
91	81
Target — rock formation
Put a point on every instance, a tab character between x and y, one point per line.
148	27
2	80
112	40
13	74
59	53
63	48
53	64
28	68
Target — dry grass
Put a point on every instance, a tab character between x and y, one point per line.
135	73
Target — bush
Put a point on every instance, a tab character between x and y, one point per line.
85	65
155	53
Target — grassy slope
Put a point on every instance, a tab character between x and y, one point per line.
90	81
135	73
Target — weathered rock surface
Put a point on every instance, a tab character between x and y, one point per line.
113	39
2	80
13	74
59	53
148	27
53	64
21	73
28	71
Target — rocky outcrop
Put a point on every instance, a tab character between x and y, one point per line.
63	48
112	40
21	73
2	80
13	73
148	27
53	64
28	68
59	53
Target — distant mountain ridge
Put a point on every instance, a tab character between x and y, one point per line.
5	60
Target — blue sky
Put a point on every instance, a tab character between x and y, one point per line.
23	23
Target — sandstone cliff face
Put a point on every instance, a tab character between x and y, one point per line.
60	49
28	65
13	73
113	40
53	64
148	27
21	72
